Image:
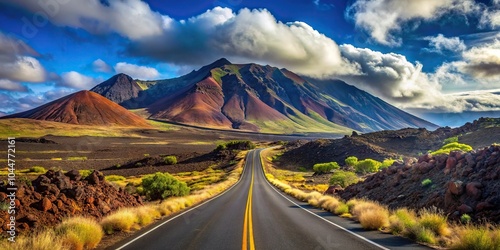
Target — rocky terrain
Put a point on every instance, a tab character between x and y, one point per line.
459	183
389	144
54	196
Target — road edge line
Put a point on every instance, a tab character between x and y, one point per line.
187	211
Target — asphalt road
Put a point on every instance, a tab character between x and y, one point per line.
255	215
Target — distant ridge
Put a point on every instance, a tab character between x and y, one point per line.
84	108
259	98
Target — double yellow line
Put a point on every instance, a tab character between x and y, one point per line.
247	224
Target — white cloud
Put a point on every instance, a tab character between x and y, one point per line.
76	80
17	62
483	100
390	76
133	19
11	86
441	44
136	71
482	61
101	66
383	18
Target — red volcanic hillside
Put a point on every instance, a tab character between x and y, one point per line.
84	108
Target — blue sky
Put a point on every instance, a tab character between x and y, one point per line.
424	56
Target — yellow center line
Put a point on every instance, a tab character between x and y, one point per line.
247	224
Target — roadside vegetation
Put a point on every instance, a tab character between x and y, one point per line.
174	191
427	226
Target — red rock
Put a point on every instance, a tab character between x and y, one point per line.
424	158
483	206
464	209
456	187
451	162
472	190
89	200
45	205
3	196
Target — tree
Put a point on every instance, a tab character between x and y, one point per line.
351	161
343	178
367	166
323	168
162	186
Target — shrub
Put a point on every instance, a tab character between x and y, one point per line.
465	218
235	145
342	208
450	140
38	169
423	234
367	166
80	232
161	186
351	161
121	220
114	178
387	163
426	182
435	221
402	220
322	168
170	160
343	178
85	172
474	237
374	218
454	146
44	240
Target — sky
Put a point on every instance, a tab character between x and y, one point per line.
423	56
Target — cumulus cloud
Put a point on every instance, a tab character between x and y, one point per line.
10	104
12	86
476	101
383	18
101	66
76	80
133	19
17	62
136	71
441	44
482	61
390	76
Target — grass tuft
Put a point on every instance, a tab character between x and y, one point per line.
122	220
80	232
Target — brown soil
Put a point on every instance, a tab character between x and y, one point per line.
85	108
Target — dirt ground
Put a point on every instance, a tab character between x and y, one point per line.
189	145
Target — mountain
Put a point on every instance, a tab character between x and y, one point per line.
84	108
261	98
120	88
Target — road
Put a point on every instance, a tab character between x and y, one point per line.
255	215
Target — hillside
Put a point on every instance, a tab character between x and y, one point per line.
459	183
390	144
83	108
261	98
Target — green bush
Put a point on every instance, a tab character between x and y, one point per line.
426	182
465	218
322	168
351	161
114	178
162	186
454	146
367	166
170	160
450	140
235	145
38	169
387	163
343	178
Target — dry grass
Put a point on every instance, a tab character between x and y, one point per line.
121	220
80	232
401	220
374	219
434	221
44	240
341	209
476	238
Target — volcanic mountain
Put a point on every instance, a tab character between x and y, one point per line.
261	98
84	108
